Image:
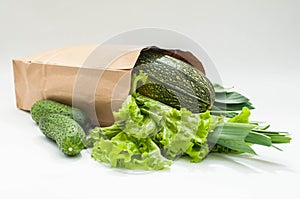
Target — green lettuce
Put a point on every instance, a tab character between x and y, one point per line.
182	132
124	151
149	135
243	117
136	124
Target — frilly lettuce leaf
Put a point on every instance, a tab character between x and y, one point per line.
124	151
136	124
149	135
181	133
147	132
243	117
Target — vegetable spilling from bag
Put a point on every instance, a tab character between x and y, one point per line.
172	110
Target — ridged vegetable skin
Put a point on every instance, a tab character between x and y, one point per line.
173	82
44	107
66	132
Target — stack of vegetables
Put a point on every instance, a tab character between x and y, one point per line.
168	116
149	135
172	110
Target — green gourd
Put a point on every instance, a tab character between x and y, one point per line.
66	132
44	107
173	82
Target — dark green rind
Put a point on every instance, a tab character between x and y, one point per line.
44	107
66	132
174	82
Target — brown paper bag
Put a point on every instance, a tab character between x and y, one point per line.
76	76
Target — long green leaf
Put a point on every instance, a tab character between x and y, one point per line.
232	135
277	137
237	145
220	89
233	107
229	103
231	98
257	138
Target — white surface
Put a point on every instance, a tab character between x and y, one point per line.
255	46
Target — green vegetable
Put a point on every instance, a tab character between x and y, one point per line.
237	135
66	132
124	151
232	136
136	125
172	82
181	132
143	120
243	117
173	110
147	130
229	103
44	107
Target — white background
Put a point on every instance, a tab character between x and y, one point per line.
255	47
